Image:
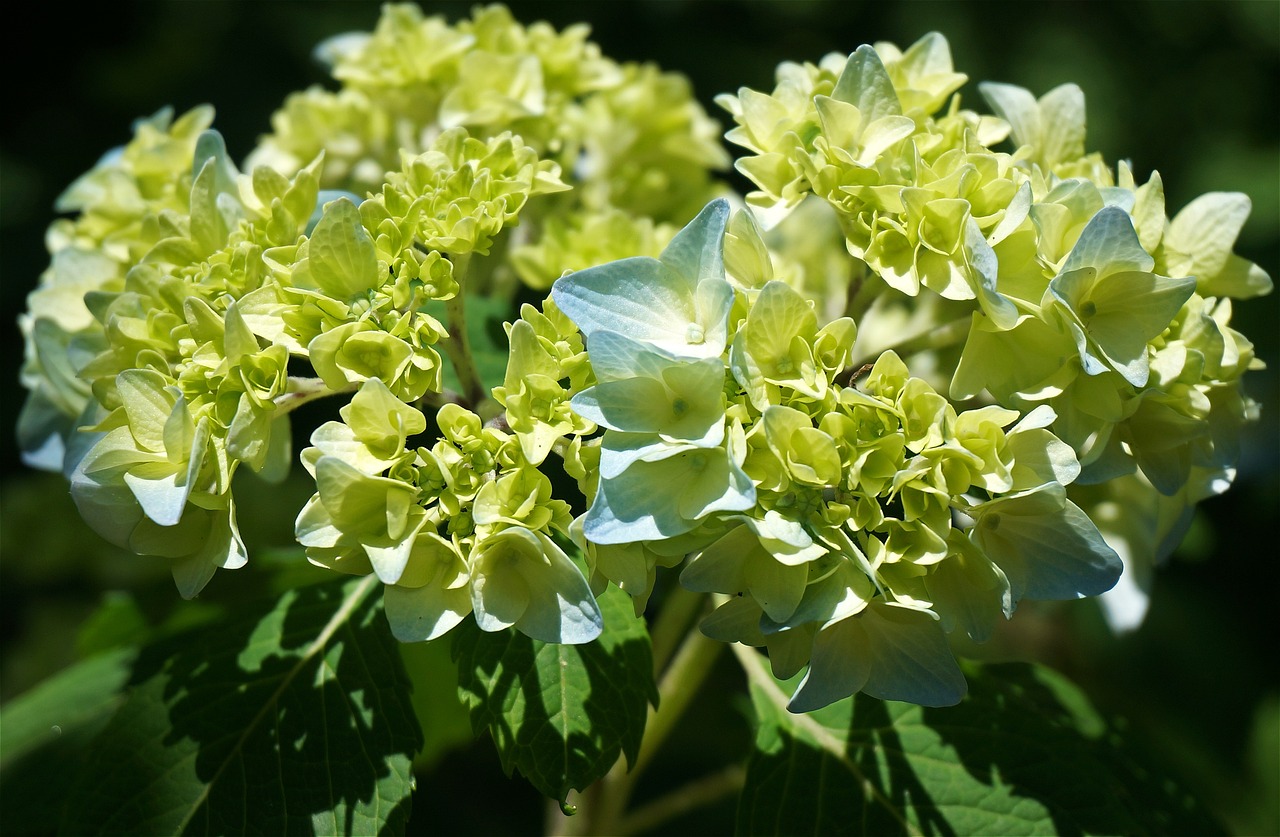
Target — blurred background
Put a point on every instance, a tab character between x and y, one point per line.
1188	88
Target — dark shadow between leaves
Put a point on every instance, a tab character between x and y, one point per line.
281	739
1043	743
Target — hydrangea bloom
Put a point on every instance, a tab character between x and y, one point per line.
938	362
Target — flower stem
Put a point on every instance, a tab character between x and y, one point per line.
302	391
672	623
458	344
689	668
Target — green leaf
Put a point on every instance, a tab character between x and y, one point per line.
47	729
1024	753
293	716
561	714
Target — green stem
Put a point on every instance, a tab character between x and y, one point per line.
938	337
689	668
947	334
458	344
672	623
303	391
864	288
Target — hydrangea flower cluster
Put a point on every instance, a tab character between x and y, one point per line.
462	527
907	383
161	344
1062	281
850	525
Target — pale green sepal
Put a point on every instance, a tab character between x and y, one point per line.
1109	244
968	590
191	575
264	313
842	587
738	563
1117	304
354	352
210	147
148	405
1062	125
101	496
665	498
643	405
162	488
1240	278
927	73
1047	547
1116	316
420	614
737	620
222	549
333	438
1028	359
774	346
1149	215
982	258
617	357
249	435
390	559
1053	126
381	421
179	432
42	431
278	461
341	258
839	666
160	496
344	46
1014	214
361	504
888	652
644	299
787	540
522	579
679	302
679	399
1199	240
323	198
619	450
314	526
866	85
697	251
1039	458
1017	106
215	205
809	455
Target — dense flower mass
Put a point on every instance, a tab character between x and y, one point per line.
937	362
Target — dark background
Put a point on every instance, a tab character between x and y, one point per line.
1188	88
